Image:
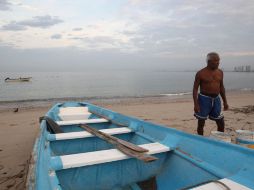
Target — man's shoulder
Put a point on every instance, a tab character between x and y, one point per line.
205	70
201	71
220	70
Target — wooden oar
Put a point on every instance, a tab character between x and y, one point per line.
129	145
125	143
130	150
140	156
51	124
112	138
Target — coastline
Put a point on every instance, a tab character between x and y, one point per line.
47	103
18	130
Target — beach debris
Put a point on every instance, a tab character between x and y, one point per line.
246	109
16	110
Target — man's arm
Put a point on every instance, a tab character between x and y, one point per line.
223	94
195	92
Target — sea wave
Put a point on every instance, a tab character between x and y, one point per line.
85	98
177	94
47	102
91	98
247	89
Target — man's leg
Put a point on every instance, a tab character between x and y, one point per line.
201	124
220	124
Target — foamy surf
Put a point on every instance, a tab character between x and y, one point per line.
176	94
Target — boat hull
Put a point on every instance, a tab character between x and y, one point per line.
191	159
18	80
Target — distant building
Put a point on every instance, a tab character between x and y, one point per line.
238	69
246	68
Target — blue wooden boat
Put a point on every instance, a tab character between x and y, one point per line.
79	160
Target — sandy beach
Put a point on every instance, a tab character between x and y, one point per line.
18	130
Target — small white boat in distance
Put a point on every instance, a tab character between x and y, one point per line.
20	79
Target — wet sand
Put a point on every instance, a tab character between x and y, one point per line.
18	130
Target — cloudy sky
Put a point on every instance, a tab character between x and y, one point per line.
64	35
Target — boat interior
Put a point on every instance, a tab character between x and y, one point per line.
77	159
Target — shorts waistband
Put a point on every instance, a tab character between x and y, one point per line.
209	95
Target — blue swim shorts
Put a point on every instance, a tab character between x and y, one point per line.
209	107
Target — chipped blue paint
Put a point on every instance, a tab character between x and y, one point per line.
51	137
56	163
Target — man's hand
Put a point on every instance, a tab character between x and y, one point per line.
226	106
196	108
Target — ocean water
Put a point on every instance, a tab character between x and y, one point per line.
108	84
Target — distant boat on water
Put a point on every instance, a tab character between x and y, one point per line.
20	79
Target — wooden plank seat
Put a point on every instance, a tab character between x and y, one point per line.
85	134
218	186
67	110
70	117
77	115
74	113
83	121
99	157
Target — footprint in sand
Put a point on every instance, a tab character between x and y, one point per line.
191	119
10	183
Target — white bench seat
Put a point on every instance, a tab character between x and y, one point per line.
69	117
84	121
99	157
85	134
74	113
67	110
216	186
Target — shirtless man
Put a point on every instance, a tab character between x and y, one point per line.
207	103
